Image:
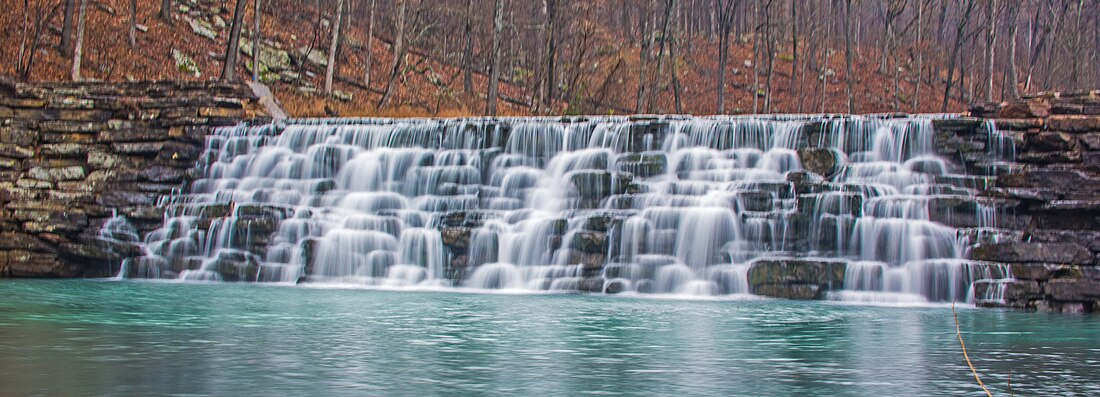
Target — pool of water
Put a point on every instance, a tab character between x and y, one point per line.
94	337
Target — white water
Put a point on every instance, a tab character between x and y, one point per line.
676	206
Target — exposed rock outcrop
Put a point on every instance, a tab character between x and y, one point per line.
1053	183
74	155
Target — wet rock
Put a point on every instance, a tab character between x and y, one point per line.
589	241
803	182
822	161
235	266
1073	290
643	165
1021	252
790	291
456	236
1050	179
796	278
959	125
594	285
614	287
600	184
1046	271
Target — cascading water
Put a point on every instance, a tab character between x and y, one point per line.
651	205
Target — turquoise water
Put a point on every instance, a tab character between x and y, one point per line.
155	338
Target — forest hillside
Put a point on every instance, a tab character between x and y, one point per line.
440	57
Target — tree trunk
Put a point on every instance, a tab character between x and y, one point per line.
78	47
920	57
990	44
257	32
825	57
494	71
725	22
755	60
551	50
960	31
468	51
1013	80
673	31
770	45
229	72
848	54
368	53
653	104
643	59
1077	48
794	45
66	46
330	69
398	54
133	23
166	11
23	37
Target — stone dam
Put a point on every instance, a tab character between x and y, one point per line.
194	181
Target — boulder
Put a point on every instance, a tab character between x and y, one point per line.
235	266
822	161
796	278
456	236
185	64
589	241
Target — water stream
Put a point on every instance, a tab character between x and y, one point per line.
672	205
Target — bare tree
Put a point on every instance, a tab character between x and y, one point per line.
468	51
1013	14
27	51
229	71
551	49
166	11
330	69
725	25
66	46
794	45
990	44
848	54
256	34
398	53
368	52
78	47
961	37
133	23
494	70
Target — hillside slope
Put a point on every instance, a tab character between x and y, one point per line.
193	44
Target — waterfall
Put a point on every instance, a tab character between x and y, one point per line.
605	204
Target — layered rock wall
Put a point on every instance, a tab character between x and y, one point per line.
1051	194
74	155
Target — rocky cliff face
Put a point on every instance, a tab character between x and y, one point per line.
74	155
1051	194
